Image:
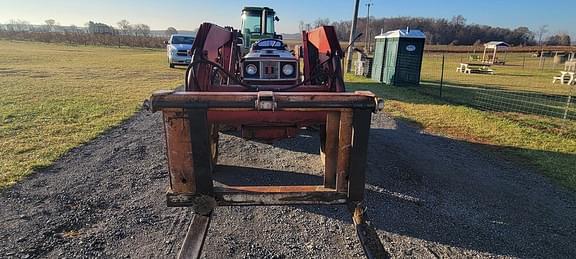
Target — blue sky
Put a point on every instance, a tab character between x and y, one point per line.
188	14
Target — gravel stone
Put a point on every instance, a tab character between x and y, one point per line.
427	197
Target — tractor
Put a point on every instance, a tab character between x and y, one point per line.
268	93
257	24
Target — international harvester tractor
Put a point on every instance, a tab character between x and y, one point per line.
267	93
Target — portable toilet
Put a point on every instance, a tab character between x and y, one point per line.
398	57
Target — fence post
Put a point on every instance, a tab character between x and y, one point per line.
568	101
523	62
442	76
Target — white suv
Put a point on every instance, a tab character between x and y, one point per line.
177	49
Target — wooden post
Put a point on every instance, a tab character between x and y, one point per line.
494	55
344	146
442	76
524	62
359	155
331	149
541	57
179	147
201	151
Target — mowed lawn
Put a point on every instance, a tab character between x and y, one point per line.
55	97
521	73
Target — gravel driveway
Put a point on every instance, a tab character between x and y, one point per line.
428	196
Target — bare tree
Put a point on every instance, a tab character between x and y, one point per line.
458	20
321	22
142	30
18	25
170	31
301	26
50	24
541	32
125	27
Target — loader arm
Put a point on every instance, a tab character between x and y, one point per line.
267	107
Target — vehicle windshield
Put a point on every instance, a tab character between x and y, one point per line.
182	40
251	22
270	23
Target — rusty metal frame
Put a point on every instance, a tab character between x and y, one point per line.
188	120
266	111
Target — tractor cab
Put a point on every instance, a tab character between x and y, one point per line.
257	24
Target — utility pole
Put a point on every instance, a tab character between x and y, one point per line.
352	36
541	31
367	39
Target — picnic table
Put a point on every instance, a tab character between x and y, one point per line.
565	76
570	66
479	68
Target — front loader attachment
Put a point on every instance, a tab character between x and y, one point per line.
191	119
266	105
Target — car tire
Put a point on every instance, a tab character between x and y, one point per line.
172	65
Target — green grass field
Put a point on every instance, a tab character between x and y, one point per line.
521	73
55	97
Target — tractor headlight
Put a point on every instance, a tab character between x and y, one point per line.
288	69
251	69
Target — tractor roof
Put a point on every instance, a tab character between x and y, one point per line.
257	9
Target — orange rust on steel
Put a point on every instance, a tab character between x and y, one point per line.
247	100
179	147
282	109
331	149
261	195
250	96
344	147
274	189
277	195
194	240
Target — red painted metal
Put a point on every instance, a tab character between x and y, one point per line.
215	44
300	119
322	54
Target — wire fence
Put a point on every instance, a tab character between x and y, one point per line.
522	85
559	106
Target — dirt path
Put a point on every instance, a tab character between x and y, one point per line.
428	196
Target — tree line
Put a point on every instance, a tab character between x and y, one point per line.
94	33
440	31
